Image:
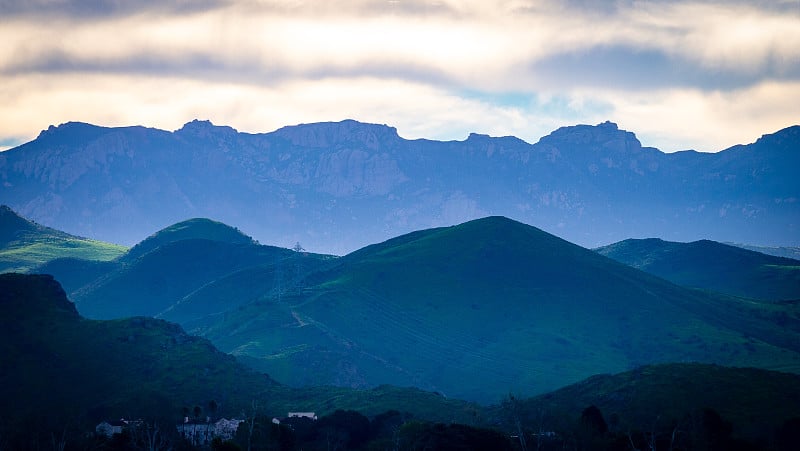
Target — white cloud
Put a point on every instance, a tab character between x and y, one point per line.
680	73
680	119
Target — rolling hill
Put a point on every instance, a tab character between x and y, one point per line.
491	306
668	397
712	266
63	374
25	245
163	274
55	360
471	311
62	371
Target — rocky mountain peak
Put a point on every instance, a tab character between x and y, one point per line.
331	134
786	139
604	136
203	129
70	132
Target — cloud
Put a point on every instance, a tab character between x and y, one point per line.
670	118
98	9
431	68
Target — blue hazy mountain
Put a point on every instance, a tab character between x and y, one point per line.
336	187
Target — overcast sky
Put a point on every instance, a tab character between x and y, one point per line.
696	74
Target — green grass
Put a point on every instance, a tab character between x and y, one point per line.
28	253
25	245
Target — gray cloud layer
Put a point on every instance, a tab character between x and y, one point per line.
429	63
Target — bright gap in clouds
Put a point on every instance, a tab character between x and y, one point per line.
703	75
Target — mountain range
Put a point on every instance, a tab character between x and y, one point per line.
472	311
337	187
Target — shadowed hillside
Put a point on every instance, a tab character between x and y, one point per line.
61	370
164	274
712	266
667	399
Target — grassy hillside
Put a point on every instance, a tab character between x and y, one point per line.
471	311
60	366
25	245
491	306
712	266
61	370
664	397
174	274
197	228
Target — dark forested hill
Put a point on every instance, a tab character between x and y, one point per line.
336	187
712	266
673	403
62	374
54	360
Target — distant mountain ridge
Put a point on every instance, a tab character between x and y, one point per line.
338	186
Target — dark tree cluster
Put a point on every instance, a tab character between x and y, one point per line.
350	430
699	430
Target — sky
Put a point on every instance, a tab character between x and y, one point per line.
701	75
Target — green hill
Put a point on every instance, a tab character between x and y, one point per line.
54	359
62	373
664	398
491	306
197	228
712	266
61	370
25	245
174	273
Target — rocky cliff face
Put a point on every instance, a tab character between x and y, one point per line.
338	186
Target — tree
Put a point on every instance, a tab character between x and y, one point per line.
217	444
593	430
511	407
439	436
259	432
592	419
212	408
788	435
344	429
